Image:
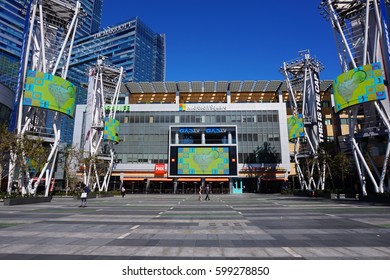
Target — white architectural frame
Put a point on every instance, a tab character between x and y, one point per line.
302	80
103	94
51	30
359	26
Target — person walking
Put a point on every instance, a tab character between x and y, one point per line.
200	193
207	192
123	191
84	196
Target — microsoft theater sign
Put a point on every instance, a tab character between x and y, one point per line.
202	107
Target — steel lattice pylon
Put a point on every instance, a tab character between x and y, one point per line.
103	93
303	83
50	30
362	38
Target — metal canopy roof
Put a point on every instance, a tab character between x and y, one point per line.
209	91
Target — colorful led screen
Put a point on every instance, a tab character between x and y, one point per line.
295	127
359	85
203	161
44	90
111	130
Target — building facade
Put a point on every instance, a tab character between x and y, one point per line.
256	109
6	104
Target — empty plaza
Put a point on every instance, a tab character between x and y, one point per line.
248	226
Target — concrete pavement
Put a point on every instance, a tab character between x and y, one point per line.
248	226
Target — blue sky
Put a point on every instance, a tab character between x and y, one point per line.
228	40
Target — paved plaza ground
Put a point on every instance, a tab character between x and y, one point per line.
248	226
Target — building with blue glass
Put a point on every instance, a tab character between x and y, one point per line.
12	25
131	45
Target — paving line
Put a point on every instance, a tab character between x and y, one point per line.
292	252
124	235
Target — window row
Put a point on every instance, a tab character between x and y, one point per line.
227	117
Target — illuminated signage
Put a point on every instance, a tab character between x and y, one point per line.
118	108
202	107
115	29
216	130
189	130
359	85
159	169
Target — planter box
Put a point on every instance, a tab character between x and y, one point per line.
25	200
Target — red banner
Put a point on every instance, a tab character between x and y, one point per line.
159	169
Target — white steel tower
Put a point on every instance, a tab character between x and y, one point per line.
306	128
101	125
43	93
361	92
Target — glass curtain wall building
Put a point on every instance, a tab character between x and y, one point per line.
12	18
12	21
131	45
12	25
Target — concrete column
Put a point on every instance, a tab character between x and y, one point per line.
280	96
228	97
203	138
176	138
230	138
231	185
177	99
174	185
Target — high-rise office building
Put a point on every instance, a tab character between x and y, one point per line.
92	19
131	45
12	19
12	25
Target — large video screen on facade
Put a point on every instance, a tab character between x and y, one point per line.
203	161
359	85
44	90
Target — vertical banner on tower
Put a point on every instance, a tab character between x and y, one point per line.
318	110
386	38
